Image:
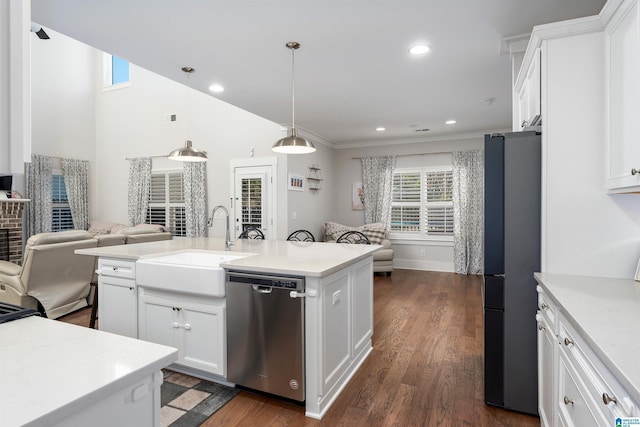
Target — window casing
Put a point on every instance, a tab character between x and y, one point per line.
61	218
166	201
422	205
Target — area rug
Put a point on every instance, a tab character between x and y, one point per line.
187	401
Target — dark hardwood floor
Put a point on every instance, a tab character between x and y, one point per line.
425	368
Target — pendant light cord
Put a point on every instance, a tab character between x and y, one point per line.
293	88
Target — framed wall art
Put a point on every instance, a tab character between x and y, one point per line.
296	182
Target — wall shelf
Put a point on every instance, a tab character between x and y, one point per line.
314	178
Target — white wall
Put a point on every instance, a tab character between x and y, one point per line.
416	254
585	231
63	99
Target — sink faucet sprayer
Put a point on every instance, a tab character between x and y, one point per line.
227	240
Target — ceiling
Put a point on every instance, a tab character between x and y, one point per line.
353	72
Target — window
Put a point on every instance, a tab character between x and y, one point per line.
115	71
60	211
421	203
252	202
166	202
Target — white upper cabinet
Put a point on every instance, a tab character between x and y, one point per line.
622	98
528	90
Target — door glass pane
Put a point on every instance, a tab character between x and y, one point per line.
251	203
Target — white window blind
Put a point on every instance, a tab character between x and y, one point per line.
422	203
166	202
61	218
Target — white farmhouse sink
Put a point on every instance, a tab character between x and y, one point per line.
194	272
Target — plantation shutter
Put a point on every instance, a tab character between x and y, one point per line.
438	212
405	210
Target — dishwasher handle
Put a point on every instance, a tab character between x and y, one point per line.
262	289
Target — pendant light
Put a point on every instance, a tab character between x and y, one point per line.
293	144
188	153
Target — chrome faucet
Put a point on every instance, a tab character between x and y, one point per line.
227	240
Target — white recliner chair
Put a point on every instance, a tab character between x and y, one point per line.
51	273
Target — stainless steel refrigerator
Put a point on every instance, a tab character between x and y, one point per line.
512	255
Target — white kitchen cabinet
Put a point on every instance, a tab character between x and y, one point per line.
362	306
547	360
576	388
117	297
195	325
528	94
622	98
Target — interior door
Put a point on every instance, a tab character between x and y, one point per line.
252	193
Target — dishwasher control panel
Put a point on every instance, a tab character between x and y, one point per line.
284	282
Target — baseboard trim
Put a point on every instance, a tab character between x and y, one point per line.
412	264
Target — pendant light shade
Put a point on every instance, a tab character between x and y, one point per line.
188	153
293	144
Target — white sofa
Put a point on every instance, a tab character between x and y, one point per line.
377	234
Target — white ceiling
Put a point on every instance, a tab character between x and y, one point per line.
353	72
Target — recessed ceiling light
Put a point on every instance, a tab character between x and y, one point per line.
450	122
216	88
420	49
380	129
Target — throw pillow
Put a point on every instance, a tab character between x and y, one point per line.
375	235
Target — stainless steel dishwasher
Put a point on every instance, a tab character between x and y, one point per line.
265	333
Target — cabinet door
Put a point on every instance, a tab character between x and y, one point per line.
336	328
117	306
203	338
576	410
547	384
158	320
362	301
528	94
622	41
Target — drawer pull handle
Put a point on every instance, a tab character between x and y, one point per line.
567	401
544	306
568	342
608	399
635	171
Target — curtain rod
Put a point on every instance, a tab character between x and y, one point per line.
405	155
147	157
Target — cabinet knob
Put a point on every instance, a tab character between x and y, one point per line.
175	325
567	401
608	399
524	123
568	342
540	327
544	306
187	326
635	171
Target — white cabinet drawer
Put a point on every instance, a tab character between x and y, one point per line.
547	309
575	407
607	394
125	269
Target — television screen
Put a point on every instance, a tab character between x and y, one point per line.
5	182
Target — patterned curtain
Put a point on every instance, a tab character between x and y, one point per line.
76	181
139	186
38	186
194	181
468	212
377	180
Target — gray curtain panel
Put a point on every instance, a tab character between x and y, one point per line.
468	211
139	185
38	186
195	194
75	173
377	184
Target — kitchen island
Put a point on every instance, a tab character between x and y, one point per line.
338	309
57	374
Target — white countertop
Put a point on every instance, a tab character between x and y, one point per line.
50	370
606	312
312	259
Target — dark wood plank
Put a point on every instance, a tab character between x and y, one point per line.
425	368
